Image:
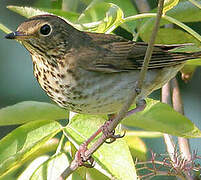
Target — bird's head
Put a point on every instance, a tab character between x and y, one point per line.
44	33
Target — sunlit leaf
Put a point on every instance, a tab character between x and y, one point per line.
163	37
137	147
53	168
184	12
29	111
27	173
26	11
109	157
101	17
169	4
19	145
94	174
70	16
161	117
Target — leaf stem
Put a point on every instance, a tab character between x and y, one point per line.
168	18
195	3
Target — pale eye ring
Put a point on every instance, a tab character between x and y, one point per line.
45	30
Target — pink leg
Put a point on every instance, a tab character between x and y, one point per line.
140	106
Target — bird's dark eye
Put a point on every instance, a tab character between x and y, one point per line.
45	29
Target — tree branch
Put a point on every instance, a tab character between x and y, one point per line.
184	146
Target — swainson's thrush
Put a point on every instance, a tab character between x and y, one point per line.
90	72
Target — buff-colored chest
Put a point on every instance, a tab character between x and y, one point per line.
94	92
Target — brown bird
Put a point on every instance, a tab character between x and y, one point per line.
93	73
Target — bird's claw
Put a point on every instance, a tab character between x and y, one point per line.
113	137
110	134
82	159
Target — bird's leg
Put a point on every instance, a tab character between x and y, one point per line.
82	158
140	106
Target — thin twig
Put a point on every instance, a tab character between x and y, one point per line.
169	142
142	5
184	146
73	166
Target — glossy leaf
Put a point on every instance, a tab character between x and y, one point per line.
161	117
53	168
56	4
94	174
19	145
27	173
109	157
26	11
184	12
169	4
127	7
163	37
143	134
70	16
29	111
29	12
101	17
137	147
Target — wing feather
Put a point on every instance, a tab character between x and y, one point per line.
122	55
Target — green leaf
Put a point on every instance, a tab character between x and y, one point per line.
29	111
70	16
169	4
110	158
53	168
184	12
144	134
194	62
26	11
196	3
96	175
188	70
19	145
101	17
29	12
55	4
26	174
161	117
137	147
127	7
163	37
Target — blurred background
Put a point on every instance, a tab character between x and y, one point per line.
17	82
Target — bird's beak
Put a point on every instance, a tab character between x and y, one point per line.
16	35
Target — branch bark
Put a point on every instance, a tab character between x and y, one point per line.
177	103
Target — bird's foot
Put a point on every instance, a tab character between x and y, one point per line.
82	159
110	134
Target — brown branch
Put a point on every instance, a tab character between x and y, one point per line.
74	165
142	6
169	142
184	146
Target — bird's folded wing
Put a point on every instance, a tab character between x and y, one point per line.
127	56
